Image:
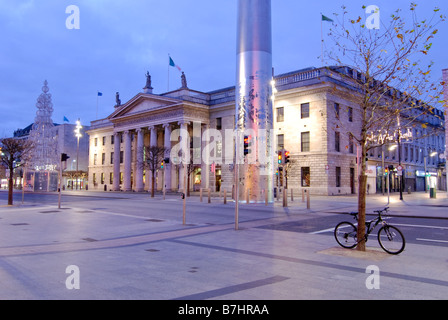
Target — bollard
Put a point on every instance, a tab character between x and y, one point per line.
265	197
225	196
308	200
285	197
209	200
200	194
303	195
292	195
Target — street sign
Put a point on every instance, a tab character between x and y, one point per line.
399	170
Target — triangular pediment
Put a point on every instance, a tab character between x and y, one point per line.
141	104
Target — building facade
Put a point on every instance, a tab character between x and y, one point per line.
76	171
323	157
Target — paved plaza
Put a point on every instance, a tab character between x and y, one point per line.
107	245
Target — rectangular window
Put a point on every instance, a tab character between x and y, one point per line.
351	145
121	177
304	110
103	159
111	158
111	178
121	156
218	123
96	142
112	139
94	178
305	141
95	159
337	140
104	141
306	179
280	141
336	110
280	114
338	177
350	114
102	177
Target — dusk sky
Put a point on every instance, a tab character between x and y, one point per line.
118	41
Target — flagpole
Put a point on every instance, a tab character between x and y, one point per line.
321	41
168	87
97	105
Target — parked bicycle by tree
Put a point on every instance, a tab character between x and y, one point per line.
390	238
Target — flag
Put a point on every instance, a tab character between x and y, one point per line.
100	94
65	119
324	18
172	64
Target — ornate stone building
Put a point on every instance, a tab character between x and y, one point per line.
323	156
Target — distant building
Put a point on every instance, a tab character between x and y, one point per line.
66	143
323	157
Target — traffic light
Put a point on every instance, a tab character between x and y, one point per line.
280	157
386	171
161	165
64	157
286	156
247	144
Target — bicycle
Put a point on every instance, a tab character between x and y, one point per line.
390	238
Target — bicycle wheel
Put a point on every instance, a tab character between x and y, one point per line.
391	239
345	234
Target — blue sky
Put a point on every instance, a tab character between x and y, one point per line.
118	41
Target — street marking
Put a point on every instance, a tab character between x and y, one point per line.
322	231
432	240
419	226
394	224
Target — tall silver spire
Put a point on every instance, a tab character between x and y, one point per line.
254	110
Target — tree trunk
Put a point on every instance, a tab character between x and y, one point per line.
362	211
10	188
153	182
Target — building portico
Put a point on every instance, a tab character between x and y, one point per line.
119	143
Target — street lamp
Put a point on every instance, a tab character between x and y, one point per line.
78	135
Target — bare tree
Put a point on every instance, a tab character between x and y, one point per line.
391	87
13	154
154	157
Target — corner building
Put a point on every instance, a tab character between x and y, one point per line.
323	158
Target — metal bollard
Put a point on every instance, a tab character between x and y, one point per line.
225	196
308	200
200	194
209	199
285	197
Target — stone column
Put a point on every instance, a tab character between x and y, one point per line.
168	166
127	186
117	140
205	165
139	162
185	147
152	143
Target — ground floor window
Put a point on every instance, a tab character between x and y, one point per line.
306	180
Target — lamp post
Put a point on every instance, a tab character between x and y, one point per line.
78	135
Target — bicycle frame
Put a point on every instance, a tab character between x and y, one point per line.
376	222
